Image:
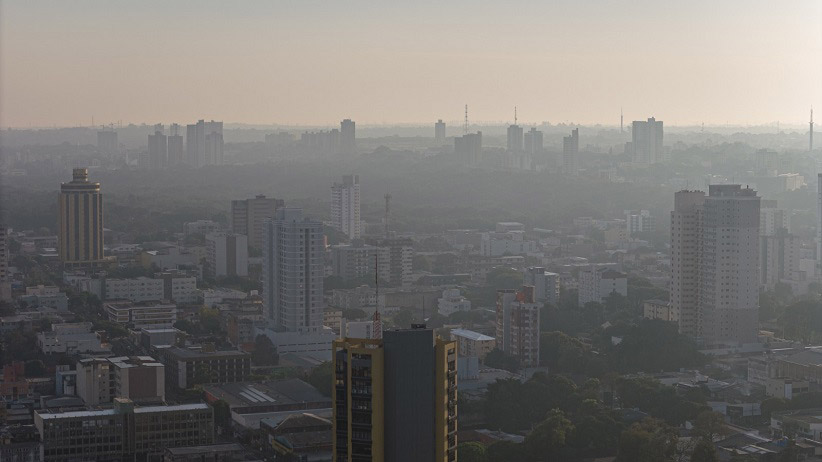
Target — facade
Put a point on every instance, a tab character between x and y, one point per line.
293	272
517	329
204	143
345	206
186	368
546	284
363	297
533	141
138	289
358	260
400	259
174	144
150	315
596	283
203	227
125	432
779	260
373	418
715	252
71	339
639	221
248	217
772	218
227	255
348	137
472	344
138	378
157	149
303	435
497	244
5	283
80	237
659	309
468	148
570	153
451	302
646	141
439	131
514	138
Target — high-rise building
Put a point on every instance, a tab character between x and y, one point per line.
345	206
5	283
518	324
715	252
375	417
107	142
570	153
468	148
227	255
359	260
157	149
293	271
639	221
439	131
597	283
779	260
514	138
400	259
545	283
248	217
348	137
80	237
533	141
646	141
204	143
175	145
772	218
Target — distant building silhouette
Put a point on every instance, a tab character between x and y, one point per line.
646	141
345	206
439	131
175	145
204	143
514	138
157	149
570	153
348	137
468	148
80	236
533	141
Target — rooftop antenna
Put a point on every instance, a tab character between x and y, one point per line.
387	210
377	323
465	127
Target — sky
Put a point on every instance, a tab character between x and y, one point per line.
314	63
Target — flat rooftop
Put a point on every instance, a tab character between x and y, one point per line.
185	353
470	334
269	394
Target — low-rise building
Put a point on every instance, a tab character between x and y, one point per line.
303	436
596	283
140	289
805	423
331	319
451	302
71	338
358	260
138	378
14	385
472	344
45	296
498	244
659	309
124	432
546	284
188	367
518	324
150	315
362	297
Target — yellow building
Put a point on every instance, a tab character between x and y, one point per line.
390	392
80	238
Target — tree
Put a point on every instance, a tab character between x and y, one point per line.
548	438
322	378
504	451
709	425
222	414
704	451
35	368
648	441
404	318
497	359
354	314
265	353
471	452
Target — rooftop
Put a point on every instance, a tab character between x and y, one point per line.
185	353
271	393
470	334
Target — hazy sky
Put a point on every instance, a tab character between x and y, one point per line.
303	62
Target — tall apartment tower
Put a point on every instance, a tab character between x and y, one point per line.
439	131
715	263
157	149
248	217
570	153
518	324
80	237
175	145
514	138
293	271
646	141
348	137
533	141
468	148
345	206
204	143
107	142
395	398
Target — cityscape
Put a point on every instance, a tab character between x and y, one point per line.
484	285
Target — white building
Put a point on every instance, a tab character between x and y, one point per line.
473	344
596	283
646	141
227	255
139	289
518	325
451	302
359	329
506	243
546	284
147	314
780	260
772	218
639	221
345	206
70	338
659	309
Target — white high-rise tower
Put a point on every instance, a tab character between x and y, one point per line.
345	206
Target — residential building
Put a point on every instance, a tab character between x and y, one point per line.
359	329
646	141
570	153
374	419
157	149
517	329
545	283
451	302
14	385
358	260
140	289
174	143
400	259
348	137
497	244
248	217
439	131
639	221
597	283
138	378
468	148
363	297
179	286
305	436
345	206
187	367
473	344
150	315
203	227
779	261
533	141
80	236
204	143
659	309
124	432
227	255
5	280
71	339
772	218
45	296
715	253
514	138
293	272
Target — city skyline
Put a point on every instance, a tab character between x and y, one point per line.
560	63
